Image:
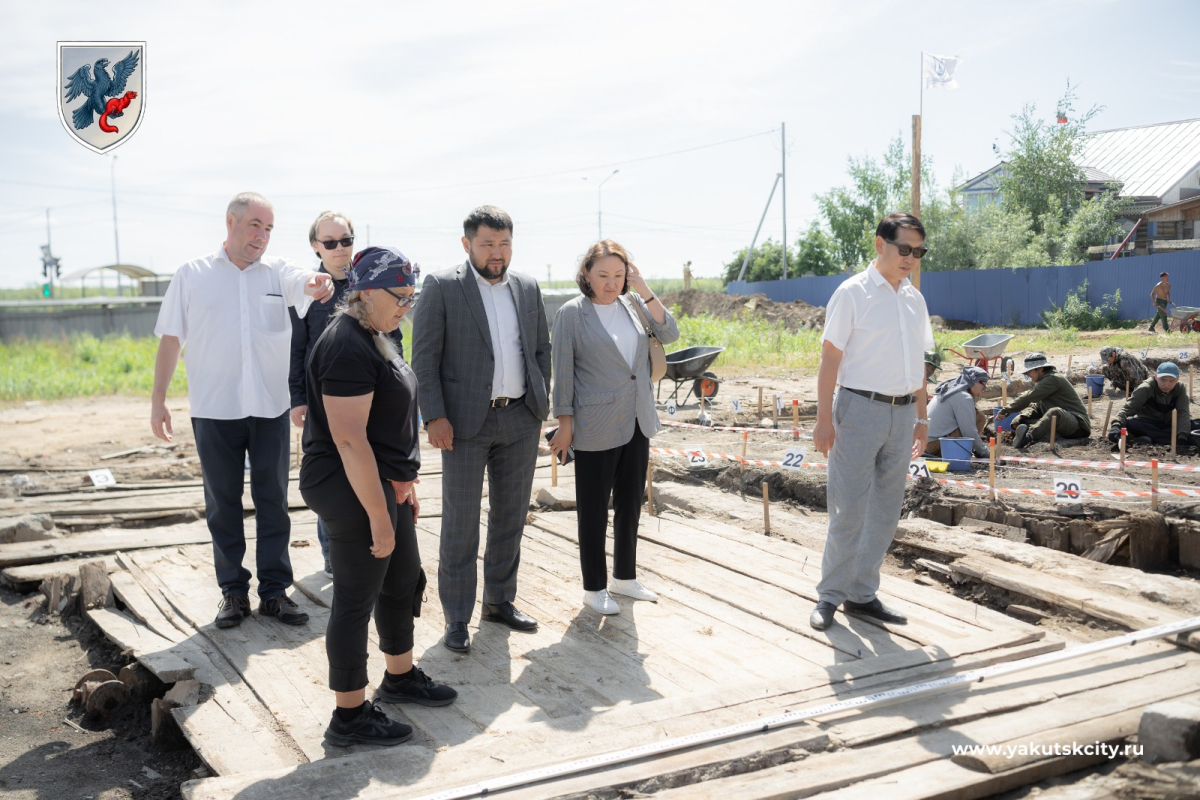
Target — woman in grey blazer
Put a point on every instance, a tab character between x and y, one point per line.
604	402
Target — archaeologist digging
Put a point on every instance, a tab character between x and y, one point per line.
1052	396
1146	416
1120	368
953	414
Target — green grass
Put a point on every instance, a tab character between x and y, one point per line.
79	367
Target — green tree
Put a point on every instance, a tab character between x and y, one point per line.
815	253
1042	177
766	263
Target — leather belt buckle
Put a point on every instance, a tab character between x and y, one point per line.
500	402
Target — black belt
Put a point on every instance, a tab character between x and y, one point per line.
502	402
891	400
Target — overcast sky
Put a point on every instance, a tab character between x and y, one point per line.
405	116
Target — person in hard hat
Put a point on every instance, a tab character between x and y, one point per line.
1146	416
1052	396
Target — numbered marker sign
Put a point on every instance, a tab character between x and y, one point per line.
1067	488
794	458
102	477
919	469
737	405
697	460
671	409
1183	355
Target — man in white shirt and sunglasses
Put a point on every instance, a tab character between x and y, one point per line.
876	332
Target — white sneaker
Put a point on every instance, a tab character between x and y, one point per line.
632	588
601	602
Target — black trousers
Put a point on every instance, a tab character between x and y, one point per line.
223	445
391	586
1159	432
619	473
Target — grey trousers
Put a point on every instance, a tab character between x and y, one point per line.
507	446
868	467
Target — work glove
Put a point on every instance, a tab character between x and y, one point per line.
1114	434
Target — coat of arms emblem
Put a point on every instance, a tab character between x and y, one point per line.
101	91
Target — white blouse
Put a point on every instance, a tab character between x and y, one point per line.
615	319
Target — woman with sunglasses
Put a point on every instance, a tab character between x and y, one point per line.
331	237
361	457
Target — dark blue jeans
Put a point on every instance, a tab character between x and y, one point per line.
222	445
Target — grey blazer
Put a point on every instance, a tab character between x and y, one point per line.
452	348
593	382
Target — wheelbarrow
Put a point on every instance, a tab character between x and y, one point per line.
986	351
1187	318
691	364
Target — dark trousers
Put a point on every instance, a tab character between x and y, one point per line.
506	446
1159	432
223	445
392	587
619	473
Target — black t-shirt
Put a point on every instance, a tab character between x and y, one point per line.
345	363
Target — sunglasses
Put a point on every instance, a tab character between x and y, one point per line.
906	250
332	244
402	300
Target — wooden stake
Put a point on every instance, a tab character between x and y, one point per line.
760	390
1003	393
775	410
650	487
1123	448
1053	429
1191	372
766	509
1174	430
795	420
1069	360
554	469
992	466
1107	417
745	441
1154	484
1088	391
1126	390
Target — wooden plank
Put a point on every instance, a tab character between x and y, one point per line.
153	651
141	606
106	541
28	577
1091	600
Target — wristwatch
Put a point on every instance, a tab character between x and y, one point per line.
923	422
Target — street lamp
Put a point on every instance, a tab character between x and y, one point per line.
599	186
116	241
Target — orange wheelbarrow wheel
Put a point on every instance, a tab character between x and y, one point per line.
706	386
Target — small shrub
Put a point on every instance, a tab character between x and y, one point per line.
1077	314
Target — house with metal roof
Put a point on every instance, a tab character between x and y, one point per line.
1151	165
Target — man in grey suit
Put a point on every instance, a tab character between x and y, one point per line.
481	351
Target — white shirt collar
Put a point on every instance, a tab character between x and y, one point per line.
484	282
221	254
877	277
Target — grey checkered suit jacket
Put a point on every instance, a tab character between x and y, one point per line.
452	348
593	382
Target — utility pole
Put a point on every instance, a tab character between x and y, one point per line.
116	239
783	172
599	217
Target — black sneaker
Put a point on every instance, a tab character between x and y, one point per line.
415	687
371	726
283	609
232	610
1021	437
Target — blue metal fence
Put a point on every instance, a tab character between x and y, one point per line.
1002	297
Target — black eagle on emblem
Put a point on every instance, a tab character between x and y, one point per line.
98	87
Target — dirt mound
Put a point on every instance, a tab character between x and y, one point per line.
795	315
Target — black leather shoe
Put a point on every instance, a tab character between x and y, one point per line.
508	614
283	609
822	616
457	638
876	610
233	609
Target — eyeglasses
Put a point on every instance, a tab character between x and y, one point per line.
333	243
402	300
906	250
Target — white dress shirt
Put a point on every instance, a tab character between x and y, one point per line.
508	373
235	325
883	334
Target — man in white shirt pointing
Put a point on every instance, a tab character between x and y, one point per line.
231	308
876	332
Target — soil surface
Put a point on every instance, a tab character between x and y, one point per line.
794	315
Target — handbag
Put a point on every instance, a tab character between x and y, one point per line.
658	355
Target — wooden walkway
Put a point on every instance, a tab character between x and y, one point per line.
728	642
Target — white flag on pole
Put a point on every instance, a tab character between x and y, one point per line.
939	71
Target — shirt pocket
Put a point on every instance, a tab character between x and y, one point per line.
272	314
